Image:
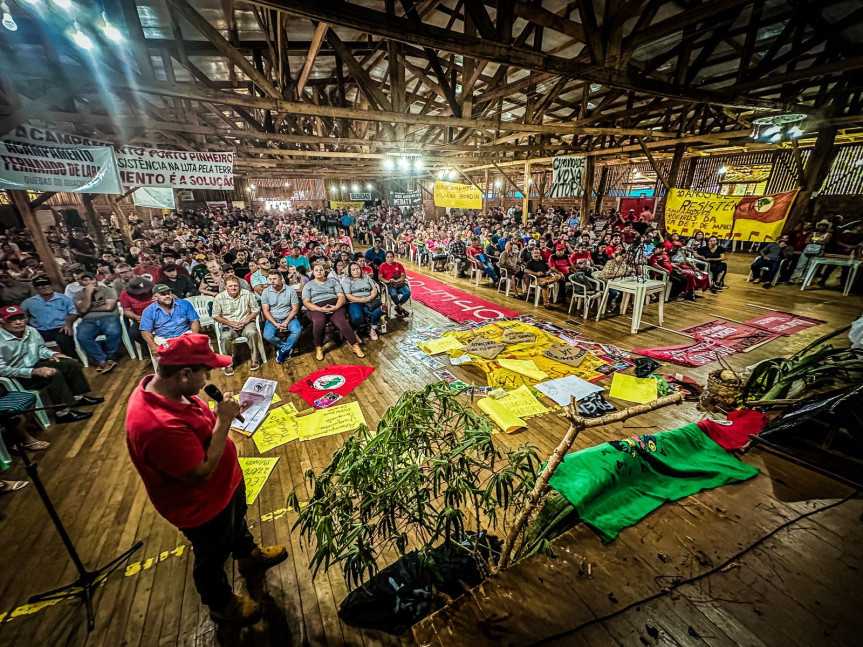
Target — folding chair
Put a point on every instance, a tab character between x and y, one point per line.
580	295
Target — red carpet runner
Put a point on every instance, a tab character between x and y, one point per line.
453	303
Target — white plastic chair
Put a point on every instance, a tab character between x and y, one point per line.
476	272
244	340
202	304
504	278
532	284
580	295
12	384
127	341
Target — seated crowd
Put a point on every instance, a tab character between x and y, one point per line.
267	276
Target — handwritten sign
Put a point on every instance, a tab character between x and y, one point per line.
482	347
326	422
522	403
634	389
526	367
567	174
518	337
566	354
564	389
256	471
457	196
279	428
441	345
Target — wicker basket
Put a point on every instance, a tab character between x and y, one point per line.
721	393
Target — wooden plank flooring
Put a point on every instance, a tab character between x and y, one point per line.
799	587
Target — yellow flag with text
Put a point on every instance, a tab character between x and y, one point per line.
688	211
342	204
457	196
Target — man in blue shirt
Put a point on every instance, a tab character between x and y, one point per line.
52	314
295	259
167	317
375	256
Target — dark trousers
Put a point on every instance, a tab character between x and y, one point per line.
64	341
67	382
339	319
762	263
226	534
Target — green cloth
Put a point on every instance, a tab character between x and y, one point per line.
616	484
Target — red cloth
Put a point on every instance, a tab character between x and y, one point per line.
335	378
166	440
453	303
735	432
135	302
388	270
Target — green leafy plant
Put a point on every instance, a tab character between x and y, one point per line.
819	364
427	475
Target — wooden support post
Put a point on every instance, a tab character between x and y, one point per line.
588	187
93	221
600	194
653	163
576	425
525	203
485	195
43	248
122	222
817	168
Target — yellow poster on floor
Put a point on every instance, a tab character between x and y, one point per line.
688	211
279	427
326	422
522	403
633	389
256	471
457	196
501	416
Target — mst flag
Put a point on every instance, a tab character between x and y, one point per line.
335	378
616	484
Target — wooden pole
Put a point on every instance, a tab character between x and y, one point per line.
122	222
588	187
525	202
485	195
43	248
576	425
93	221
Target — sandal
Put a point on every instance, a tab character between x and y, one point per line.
7	487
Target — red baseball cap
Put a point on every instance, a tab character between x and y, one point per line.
191	349
11	311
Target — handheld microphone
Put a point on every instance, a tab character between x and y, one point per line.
213	391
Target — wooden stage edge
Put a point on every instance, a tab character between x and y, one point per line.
799	587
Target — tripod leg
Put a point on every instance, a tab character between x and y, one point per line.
117	561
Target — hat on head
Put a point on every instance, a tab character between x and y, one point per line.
40	281
823	222
200	257
559	247
87	275
161	288
189	350
139	285
170	267
11	311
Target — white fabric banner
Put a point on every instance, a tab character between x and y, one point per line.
79	169
568	177
147	166
147	196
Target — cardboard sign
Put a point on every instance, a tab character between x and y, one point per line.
568	176
566	355
518	337
486	348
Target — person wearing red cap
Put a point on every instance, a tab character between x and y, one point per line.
24	356
189	466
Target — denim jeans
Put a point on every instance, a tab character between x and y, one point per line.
359	311
399	295
763	263
270	334
92	327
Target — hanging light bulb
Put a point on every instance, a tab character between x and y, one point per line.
333	189
81	39
453	174
111	32
418	164
404	165
722	170
8	21
369	187
355	188
344	188
63	4
389	164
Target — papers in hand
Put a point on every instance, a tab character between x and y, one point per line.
256	397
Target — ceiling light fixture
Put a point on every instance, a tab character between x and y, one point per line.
8	21
81	39
111	32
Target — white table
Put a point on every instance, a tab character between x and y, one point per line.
844	261
640	289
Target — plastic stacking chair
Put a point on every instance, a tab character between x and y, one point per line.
127	341
12	384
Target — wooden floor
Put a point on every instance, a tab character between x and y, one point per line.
802	586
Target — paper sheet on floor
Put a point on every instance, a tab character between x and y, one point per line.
256	471
279	428
326	422
526	367
565	388
633	389
501	416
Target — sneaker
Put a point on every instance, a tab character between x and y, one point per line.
373	335
241	611
229	370
254	366
358	351
282	356
319	353
261	559
106	367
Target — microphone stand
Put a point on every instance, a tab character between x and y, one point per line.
87	581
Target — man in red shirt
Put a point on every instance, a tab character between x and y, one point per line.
190	470
392	274
475	253
146	269
134	298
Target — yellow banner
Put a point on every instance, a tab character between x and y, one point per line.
688	211
457	196
336	204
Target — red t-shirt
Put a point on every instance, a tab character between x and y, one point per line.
368	270
561	264
388	270
166	441
135	302
154	272
579	256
